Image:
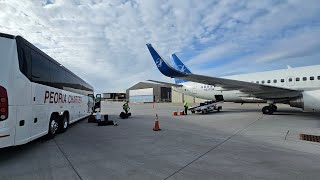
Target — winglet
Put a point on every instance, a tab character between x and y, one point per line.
179	65
163	65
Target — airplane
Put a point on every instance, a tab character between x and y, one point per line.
298	87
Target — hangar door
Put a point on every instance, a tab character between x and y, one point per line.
141	95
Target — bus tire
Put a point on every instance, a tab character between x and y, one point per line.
53	126
63	123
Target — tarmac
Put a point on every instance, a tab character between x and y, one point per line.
237	143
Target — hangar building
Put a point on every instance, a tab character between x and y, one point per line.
153	92
149	92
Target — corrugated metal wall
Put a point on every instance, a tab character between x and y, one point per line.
179	97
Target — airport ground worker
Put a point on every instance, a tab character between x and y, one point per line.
185	105
126	107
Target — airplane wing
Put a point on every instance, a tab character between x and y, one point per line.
166	83
256	90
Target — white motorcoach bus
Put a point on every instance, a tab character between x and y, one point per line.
38	96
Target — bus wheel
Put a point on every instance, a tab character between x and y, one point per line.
53	127
63	124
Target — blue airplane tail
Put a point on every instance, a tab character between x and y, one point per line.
163	65
180	67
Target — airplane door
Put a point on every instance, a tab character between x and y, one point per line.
290	81
194	90
219	98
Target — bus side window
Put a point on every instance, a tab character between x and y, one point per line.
40	67
24	62
58	76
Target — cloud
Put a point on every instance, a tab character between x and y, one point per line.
301	44
104	41
212	54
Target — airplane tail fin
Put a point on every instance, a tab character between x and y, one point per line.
180	67
163	65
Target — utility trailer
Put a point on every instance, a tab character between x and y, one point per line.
206	107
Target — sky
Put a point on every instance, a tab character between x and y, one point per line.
104	41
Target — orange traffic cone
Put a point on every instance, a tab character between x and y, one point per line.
156	124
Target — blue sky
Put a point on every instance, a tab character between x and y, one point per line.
103	41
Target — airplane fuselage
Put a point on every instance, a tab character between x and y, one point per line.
302	78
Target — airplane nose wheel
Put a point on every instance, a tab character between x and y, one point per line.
268	110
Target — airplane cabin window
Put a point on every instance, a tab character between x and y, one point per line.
262	82
282	80
312	78
304	78
258	81
318	77
297	79
269	81
290	79
275	81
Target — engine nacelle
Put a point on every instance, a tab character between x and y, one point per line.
309	101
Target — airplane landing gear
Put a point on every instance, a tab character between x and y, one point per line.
269	109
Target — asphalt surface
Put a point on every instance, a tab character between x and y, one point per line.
237	143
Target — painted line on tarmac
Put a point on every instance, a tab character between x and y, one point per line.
214	147
65	156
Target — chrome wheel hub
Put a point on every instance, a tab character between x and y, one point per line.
53	126
65	123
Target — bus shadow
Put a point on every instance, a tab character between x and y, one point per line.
8	152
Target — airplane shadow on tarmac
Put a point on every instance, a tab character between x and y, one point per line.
277	113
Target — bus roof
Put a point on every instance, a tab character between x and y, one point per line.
20	38
7	35
41	52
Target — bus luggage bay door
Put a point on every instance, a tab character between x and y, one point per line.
90	103
98	103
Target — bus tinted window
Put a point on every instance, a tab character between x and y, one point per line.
58	76
40	69
22	61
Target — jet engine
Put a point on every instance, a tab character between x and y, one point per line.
309	101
